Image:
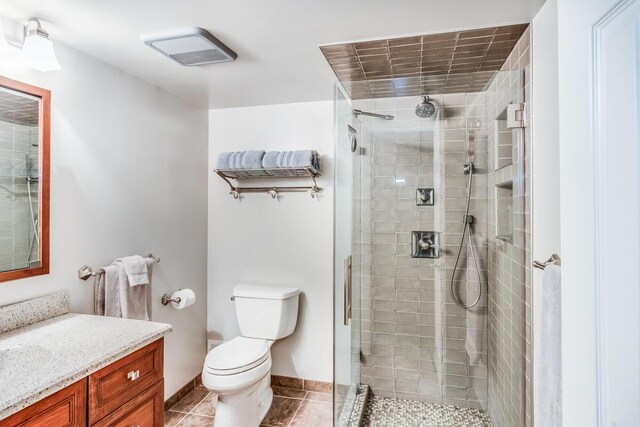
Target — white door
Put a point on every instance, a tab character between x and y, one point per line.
599	51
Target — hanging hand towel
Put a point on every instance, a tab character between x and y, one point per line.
136	269
133	299
111	289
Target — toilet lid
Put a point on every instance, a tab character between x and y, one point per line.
238	355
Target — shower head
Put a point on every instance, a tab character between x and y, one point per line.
425	108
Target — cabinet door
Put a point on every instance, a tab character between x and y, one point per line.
65	408
114	385
144	410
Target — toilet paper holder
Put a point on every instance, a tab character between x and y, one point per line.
166	299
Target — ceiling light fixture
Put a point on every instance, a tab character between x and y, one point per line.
37	50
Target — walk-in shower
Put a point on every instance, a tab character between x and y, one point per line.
432	313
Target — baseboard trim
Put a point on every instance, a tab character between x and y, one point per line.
186	389
301	384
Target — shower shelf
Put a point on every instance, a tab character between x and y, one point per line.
504	176
275	173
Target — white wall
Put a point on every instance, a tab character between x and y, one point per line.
128	176
261	241
545	155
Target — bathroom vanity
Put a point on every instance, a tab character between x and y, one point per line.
82	370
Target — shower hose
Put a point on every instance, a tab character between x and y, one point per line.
466	230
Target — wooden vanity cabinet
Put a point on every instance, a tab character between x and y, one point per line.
67	407
128	392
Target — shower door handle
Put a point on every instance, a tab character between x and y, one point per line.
347	290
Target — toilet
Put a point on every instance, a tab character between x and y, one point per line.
239	370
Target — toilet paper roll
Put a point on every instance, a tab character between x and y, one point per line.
187	298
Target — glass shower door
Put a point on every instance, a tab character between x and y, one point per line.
347	262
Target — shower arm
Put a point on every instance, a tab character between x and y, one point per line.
376	115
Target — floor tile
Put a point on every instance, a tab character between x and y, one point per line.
322	397
193	420
207	406
172	418
289	392
191	400
314	414
281	412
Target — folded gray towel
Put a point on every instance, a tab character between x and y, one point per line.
224	160
235	162
282	160
303	159
240	160
269	161
252	159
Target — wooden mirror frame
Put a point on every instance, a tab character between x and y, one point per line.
44	141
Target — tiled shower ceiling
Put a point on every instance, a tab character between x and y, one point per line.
464	61
19	109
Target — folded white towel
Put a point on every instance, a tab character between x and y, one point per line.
136	269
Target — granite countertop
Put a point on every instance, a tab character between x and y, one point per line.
39	359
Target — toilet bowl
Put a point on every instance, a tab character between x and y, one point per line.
239	370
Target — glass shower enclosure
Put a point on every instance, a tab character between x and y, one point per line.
401	196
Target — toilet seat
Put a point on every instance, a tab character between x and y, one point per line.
238	355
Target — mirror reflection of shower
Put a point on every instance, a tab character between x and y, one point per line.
32	179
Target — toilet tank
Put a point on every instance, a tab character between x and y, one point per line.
266	312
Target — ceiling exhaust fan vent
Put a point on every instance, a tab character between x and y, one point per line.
190	47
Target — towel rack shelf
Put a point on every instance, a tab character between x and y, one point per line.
244	174
85	271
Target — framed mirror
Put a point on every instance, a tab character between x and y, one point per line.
24	179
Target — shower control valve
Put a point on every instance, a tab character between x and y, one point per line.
425	244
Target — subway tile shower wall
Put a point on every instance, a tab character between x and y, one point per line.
417	344
510	368
16	229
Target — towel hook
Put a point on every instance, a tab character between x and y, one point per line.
554	259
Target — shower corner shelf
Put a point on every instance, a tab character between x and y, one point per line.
275	173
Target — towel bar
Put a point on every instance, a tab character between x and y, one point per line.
85	271
555	259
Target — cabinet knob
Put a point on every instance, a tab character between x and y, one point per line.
133	375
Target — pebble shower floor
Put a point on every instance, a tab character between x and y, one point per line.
387	412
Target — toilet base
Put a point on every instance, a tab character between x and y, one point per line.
245	409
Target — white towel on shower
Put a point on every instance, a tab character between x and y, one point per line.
548	368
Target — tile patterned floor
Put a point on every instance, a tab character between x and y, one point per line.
290	408
387	412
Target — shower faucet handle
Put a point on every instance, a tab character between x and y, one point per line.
427	245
